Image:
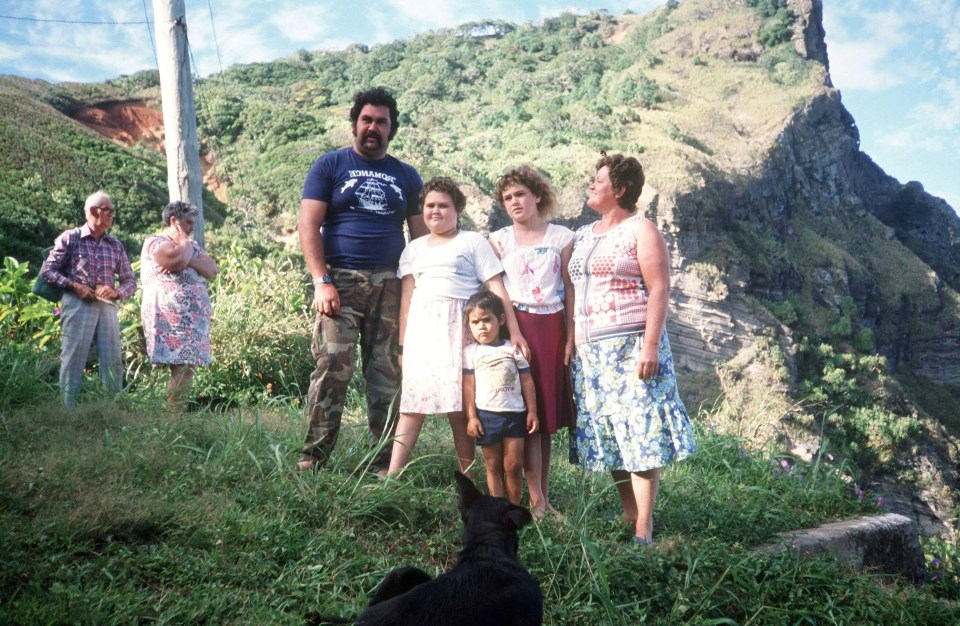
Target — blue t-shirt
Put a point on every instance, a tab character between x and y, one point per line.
367	204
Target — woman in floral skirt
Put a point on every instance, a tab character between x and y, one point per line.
630	418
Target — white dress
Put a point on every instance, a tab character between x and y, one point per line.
435	334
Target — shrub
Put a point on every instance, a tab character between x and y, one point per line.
785	66
777	29
261	328
865	342
786	312
853	390
29	330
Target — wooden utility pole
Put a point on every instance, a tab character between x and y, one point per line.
179	115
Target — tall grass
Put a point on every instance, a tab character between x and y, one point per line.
122	515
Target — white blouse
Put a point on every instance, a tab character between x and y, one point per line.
532	273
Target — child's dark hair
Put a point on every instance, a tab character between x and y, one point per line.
446	185
488	301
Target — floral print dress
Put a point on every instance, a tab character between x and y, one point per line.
175	311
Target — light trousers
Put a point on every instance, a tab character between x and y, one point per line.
84	323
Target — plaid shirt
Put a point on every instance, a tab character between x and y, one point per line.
91	262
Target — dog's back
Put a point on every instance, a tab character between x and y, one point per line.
487	587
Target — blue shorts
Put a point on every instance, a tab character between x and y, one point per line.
499	425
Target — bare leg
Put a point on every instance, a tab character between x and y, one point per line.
545	453
638	492
513	468
493	461
533	468
409	426
462	442
625	489
181	380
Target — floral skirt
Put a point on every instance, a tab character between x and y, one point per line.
624	423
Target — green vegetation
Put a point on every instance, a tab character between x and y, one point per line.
48	167
115	515
119	514
778	21
29	338
852	392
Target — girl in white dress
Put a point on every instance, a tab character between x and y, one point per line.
439	272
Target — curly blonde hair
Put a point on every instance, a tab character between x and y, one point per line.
538	184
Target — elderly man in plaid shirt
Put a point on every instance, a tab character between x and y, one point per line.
87	264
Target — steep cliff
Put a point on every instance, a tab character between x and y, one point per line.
768	210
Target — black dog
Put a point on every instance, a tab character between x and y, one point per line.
487	587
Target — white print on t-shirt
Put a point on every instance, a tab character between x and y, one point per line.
348	185
372	198
373	174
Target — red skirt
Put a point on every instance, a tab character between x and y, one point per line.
546	336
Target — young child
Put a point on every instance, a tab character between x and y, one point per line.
439	272
535	255
498	395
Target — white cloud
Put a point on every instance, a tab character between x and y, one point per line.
247	45
310	25
432	14
942	114
11	52
862	65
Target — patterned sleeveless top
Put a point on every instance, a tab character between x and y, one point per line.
610	295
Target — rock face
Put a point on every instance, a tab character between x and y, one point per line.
814	187
882	543
127	122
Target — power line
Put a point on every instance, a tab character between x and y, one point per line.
88	22
153	44
215	42
197	80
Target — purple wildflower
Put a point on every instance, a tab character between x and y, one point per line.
56	312
881	501
936	563
859	493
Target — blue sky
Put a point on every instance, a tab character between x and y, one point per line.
896	62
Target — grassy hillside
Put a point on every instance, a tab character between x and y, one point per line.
483	97
125	515
50	164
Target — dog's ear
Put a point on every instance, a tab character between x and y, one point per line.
518	516
467	490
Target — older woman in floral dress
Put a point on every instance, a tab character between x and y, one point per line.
630	419
176	310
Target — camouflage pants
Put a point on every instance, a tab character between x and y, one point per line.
370	311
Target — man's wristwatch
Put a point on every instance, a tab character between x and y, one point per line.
326	279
